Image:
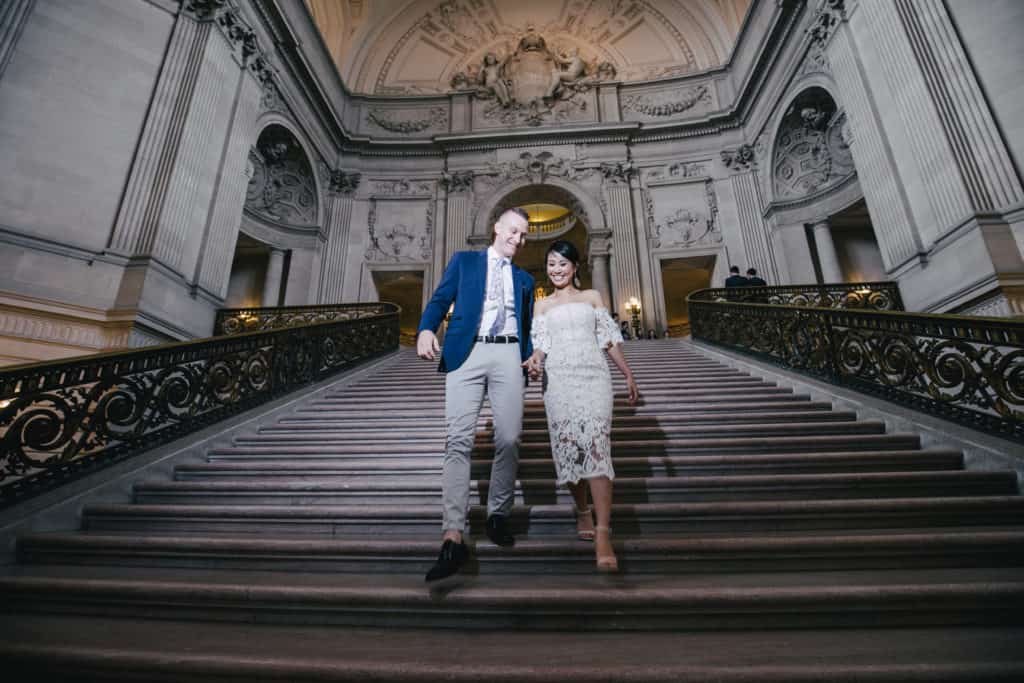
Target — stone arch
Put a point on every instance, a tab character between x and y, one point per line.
592	215
809	151
295	164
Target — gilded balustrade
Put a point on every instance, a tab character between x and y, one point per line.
60	420
968	370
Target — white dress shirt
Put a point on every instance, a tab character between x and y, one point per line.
491	304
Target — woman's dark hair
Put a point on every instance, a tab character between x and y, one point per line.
567	250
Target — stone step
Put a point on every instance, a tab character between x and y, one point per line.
680	412
535	407
648	396
328	490
666	434
961	596
76	649
416	426
681	446
659	382
545	520
387	468
732	554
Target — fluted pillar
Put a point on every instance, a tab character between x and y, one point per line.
275	275
828	259
13	14
338	221
458	186
624	263
754	229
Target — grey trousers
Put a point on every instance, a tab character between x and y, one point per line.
493	370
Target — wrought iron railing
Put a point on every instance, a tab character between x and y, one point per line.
62	419
968	370
239	320
879	296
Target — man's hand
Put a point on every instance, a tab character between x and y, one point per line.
427	347
534	366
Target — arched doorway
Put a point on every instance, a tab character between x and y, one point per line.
555	213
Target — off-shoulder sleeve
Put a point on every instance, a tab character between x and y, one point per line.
608	333
539	333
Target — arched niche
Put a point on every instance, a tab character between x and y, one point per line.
525	191
283	187
810	153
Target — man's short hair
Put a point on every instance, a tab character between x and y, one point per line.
517	210
751	271
735	269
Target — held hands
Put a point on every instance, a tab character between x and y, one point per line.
427	347
534	365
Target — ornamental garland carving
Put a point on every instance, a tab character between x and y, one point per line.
663	105
400	242
403	187
538	167
436	117
691	169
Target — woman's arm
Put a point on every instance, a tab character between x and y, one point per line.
614	350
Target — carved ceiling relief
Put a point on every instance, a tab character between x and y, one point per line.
282	186
811	150
400	230
581	34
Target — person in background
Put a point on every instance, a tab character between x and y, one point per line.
651	334
735	279
753	280
624	330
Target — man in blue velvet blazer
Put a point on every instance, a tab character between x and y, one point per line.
485	348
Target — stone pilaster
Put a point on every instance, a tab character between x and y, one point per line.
458	214
600	269
755	231
338	222
625	262
895	227
13	14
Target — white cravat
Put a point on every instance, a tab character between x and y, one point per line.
499	293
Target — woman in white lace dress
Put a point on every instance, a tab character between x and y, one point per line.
571	330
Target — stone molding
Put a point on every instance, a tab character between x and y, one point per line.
404	122
53	322
670	103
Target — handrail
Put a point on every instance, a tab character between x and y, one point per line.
239	320
967	370
60	420
882	296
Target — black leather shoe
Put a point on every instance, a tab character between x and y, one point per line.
453	556
498	532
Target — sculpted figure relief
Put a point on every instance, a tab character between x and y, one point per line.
533	81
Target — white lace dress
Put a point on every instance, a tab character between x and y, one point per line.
578	388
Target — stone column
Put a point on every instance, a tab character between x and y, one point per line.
599	277
340	196
756	232
275	274
828	259
13	15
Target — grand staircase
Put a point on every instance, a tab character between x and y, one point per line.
764	536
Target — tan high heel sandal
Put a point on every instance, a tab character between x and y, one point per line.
608	564
586	513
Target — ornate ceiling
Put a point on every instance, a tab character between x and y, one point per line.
410	47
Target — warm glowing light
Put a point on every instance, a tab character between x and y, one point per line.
633	304
5	403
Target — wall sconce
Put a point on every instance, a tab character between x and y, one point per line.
633	306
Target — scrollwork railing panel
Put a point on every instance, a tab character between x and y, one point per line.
879	296
968	370
62	419
239	320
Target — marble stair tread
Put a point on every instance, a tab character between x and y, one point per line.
83	648
931	459
962	595
855	440
620	435
807	552
545	520
326	489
